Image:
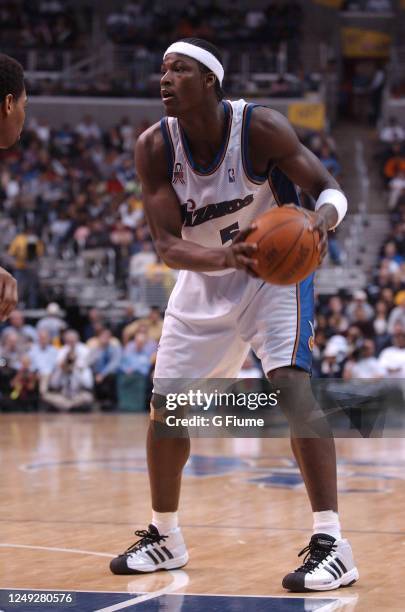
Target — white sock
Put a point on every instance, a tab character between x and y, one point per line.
165	521
327	522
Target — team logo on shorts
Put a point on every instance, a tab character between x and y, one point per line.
311	339
178	174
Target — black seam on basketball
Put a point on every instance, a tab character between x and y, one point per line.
273	229
272	270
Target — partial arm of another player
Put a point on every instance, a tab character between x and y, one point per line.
162	210
274	141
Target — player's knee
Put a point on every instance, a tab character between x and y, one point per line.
298	402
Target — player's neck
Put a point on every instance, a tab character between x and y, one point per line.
205	125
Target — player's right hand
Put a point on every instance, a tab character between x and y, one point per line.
8	294
240	254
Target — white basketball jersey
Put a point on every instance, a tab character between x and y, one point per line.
220	200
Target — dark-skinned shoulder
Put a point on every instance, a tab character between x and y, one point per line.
150	155
271	138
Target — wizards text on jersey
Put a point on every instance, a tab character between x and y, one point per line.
193	216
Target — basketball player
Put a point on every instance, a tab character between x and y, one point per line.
207	170
12	115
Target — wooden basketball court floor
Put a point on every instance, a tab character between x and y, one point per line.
74	488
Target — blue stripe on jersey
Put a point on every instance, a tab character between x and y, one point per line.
283	188
303	357
245	147
168	146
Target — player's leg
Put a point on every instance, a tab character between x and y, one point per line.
166	457
184	354
329	563
280	323
311	438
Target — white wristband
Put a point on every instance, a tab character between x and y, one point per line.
337	199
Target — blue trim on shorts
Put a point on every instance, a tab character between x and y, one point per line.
168	146
303	358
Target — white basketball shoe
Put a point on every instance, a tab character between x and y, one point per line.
152	552
328	564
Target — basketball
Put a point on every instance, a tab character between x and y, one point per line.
287	248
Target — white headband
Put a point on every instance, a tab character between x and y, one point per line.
199	54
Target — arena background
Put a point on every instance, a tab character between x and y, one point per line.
93	291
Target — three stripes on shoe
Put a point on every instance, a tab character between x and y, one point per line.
336	568
159	553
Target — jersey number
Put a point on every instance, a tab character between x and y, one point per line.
229	233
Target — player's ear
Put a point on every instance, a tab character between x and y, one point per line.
7	105
210	80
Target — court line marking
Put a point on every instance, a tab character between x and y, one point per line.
56	549
188	526
344	599
180	581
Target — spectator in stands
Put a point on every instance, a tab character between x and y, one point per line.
376	89
96	322
24	386
363	363
89	130
393	132
396	188
397	315
153	324
26	249
52	322
71	382
395	163
12	349
104	359
392	358
331	365
16	323
380	325
359	305
134	369
43	356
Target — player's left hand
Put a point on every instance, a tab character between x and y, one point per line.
319	224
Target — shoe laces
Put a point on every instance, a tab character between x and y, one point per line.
316	552
146	537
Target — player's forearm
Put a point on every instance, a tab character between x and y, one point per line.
182	254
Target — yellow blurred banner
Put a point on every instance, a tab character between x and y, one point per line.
307	115
365	43
331	3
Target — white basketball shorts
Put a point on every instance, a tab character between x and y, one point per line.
212	321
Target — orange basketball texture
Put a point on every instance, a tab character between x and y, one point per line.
287	249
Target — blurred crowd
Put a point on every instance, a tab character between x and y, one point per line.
369	6
224	23
42	23
391	157
73	192
363	335
51	366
